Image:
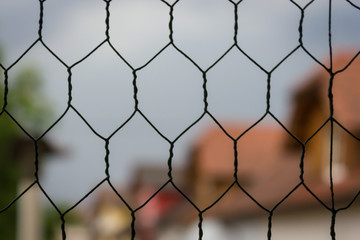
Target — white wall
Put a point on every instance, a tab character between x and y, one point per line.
308	224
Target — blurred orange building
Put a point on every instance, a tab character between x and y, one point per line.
268	161
269	158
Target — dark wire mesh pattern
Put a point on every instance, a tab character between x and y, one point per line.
171	44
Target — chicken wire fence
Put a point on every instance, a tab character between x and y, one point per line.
206	112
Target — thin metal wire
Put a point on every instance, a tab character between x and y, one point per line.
234	47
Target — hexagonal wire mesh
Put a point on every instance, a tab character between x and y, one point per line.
332	123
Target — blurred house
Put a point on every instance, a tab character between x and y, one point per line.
268	161
312	109
112	219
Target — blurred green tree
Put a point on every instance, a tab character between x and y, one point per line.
28	105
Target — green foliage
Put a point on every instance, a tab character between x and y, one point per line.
26	101
27	104
9	174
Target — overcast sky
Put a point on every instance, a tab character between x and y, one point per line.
170	87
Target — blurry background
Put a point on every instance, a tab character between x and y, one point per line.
170	88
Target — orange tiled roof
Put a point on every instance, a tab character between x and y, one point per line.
270	170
